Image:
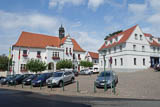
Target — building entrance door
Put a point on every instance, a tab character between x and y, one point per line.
154	61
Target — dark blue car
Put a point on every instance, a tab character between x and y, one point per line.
41	79
29	79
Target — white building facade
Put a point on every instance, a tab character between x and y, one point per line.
49	49
130	50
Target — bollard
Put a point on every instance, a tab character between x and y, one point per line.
14	83
31	86
40	86
94	87
22	84
114	89
77	86
51	86
105	86
63	85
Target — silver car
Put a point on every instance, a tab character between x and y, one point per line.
59	77
107	77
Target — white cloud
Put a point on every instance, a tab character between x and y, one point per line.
87	41
155	4
94	4
137	8
60	3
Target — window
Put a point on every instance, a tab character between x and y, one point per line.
38	53
101	63
111	41
134	47
135	61
144	62
154	49
116	39
143	49
79	57
23	67
24	52
95	61
114	49
136	37
66	51
121	61
115	60
120	47
151	38
109	51
106	42
159	40
73	56
141	37
158	49
70	51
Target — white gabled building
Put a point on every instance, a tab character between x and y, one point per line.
130	50
49	49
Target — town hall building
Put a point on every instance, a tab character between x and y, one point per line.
49	49
130	50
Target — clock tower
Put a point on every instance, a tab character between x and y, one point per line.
61	32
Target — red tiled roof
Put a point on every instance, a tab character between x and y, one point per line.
153	43
126	34
34	40
147	35
94	55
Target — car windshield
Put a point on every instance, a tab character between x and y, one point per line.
18	76
57	74
31	76
102	74
41	76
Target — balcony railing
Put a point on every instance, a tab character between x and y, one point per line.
38	56
56	58
25	55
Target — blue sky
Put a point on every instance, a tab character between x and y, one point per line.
88	21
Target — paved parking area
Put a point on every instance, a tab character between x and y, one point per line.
140	84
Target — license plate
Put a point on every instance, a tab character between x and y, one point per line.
102	83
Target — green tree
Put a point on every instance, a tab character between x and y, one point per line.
35	65
64	64
4	62
86	64
112	34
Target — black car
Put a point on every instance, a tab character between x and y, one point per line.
7	79
41	79
1	78
18	79
28	80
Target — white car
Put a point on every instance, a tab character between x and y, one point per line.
85	72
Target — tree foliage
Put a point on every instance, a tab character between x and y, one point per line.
64	64
112	34
35	65
4	62
86	64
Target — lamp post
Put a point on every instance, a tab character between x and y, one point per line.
13	64
104	54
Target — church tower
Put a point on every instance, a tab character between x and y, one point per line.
61	32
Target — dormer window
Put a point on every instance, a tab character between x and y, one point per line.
106	42
141	37
159	40
116	39
111	41
136	36
151	38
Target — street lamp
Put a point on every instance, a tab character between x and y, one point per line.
104	54
13	64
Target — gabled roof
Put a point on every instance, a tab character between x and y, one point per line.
34	40
126	34
94	55
153	43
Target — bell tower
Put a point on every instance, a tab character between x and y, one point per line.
61	32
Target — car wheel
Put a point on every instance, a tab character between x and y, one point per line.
60	84
72	80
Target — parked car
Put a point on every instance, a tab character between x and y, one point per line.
110	77
75	72
1	78
41	79
18	79
95	70
61	77
157	67
85	72
7	79
28	80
